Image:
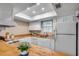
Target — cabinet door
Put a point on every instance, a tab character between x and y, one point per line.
44	43
5	11
65	19
6	15
68	19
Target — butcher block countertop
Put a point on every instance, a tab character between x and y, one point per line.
12	50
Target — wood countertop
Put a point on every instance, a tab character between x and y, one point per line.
12	50
35	35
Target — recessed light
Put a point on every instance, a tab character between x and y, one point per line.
33	12
42	9
37	3
28	8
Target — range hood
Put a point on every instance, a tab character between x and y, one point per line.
7	23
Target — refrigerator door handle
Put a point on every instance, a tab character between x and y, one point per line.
55	35
64	34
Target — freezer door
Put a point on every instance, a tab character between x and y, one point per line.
66	44
66	28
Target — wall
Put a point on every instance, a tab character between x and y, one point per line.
21	28
67	9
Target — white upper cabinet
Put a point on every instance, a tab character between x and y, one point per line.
35	25
5	11
6	15
66	19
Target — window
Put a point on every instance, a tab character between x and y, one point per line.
47	26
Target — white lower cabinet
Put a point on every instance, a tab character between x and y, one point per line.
47	43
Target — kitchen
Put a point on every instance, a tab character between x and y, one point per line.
41	24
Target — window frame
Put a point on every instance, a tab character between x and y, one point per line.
46	26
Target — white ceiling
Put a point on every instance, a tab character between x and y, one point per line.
66	9
48	11
38	9
7	9
19	7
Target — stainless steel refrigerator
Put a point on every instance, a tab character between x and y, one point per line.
65	40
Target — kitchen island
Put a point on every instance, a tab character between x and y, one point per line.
12	50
